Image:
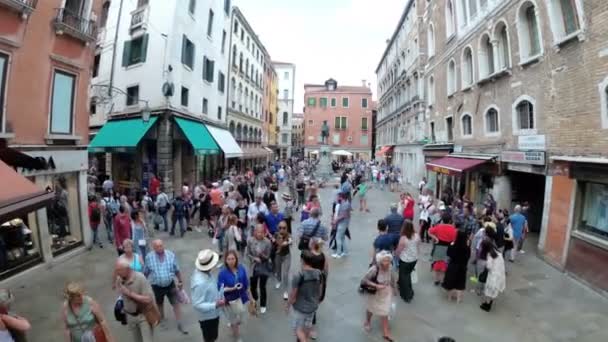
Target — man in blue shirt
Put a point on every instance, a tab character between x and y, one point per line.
341	221
519	224
384	241
394	220
308	226
273	218
206	298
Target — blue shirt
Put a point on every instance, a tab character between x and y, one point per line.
385	242
228	279
272	222
394	222
204	292
161	272
518	221
308	226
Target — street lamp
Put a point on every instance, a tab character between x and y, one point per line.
145	113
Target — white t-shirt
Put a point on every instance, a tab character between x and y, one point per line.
410	252
375	173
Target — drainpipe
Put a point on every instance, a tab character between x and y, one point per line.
114	49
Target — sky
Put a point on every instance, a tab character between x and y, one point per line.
340	39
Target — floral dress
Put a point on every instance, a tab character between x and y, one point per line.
496	282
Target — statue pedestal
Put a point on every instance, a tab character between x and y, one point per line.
324	170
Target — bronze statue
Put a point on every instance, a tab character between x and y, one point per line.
324	132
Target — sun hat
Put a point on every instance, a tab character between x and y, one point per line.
206	260
286	196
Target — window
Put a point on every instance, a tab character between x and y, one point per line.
433	139
286	75
467	125
340	123
334	102
62	102
205	106
323	102
3	82
345	102
564	17
525	115
192	6
603	89
528	32
310	122
364	139
236	27
221	81
431	40
449	126
210	24
187	52
92	107
450	20
431	91
208	66
219	112
105	10
241	62
141	3
467	67
492	121
486	57
132	96
312	101
134	51
96	65
285	94
227	7
285	118
242	35
472	9
185	93
364	124
224	42
464	15
503	50
336	139
364	103
284	137
451	77
593	209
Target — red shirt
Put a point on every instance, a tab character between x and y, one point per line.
216	197
92	206
444	232
154	186
122	229
408	212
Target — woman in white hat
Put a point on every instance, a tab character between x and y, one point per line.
206	299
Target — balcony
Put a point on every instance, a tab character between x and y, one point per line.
139	18
23	7
75	26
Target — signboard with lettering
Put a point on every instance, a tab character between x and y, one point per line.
523	157
439	169
531	142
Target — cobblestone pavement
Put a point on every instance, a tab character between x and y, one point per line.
540	304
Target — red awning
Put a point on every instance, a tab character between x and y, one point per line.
452	165
384	150
18	195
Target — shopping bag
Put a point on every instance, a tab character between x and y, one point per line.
414	276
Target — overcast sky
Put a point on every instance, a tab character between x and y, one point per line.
343	39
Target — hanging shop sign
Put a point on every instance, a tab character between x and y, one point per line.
57	162
531	142
523	157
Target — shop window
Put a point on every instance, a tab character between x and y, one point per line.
19	245
594	206
63	215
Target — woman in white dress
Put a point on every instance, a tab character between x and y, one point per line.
380	277
496	280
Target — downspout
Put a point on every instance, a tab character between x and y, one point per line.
114	49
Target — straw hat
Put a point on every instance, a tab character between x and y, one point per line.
206	260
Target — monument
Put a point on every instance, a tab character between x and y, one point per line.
324	171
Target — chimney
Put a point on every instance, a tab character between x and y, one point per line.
364	83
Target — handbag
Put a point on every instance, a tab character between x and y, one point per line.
483	277
304	215
182	297
365	288
151	313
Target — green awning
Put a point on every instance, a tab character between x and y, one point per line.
121	135
199	136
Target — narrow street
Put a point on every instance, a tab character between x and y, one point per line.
540	303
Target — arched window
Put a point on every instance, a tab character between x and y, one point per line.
285	118
503	47
233	91
472	9
486	57
467	67
231	128
450	19
451	77
463	15
241	62
234	54
525	115
491	119
565	18
240	94
467	125
247	67
239	131
431	40
431	91
528	31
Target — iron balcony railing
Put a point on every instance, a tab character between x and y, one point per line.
75	25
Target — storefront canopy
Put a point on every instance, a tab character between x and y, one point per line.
384	150
453	165
226	141
251	153
199	136
121	134
18	195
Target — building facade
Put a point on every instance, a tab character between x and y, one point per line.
401	110
503	88
297	135
46	50
286	73
246	93
269	133
348	113
161	78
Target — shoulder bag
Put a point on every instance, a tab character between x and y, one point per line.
365	288
305	239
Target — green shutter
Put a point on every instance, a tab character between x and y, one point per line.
184	50
144	48
126	53
212	71
344	122
337	123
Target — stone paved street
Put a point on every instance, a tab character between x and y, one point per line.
540	304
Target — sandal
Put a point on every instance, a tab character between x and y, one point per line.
367	327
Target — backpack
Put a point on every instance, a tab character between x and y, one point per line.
305	239
112	205
95	214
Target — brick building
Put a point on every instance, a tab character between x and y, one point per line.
348	112
46	53
517	91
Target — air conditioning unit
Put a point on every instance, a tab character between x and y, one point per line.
350	138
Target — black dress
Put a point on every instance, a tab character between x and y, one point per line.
456	274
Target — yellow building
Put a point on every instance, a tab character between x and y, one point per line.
270	105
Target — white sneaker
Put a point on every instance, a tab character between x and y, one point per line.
277	286
338	256
335	255
342	255
522	252
285	296
263	310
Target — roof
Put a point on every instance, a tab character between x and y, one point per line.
244	21
408	6
283	63
319	88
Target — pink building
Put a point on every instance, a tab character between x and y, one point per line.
348	112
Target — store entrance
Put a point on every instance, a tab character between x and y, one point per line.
529	187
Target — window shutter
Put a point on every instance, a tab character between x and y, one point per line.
184	50
205	68
337	123
211	71
144	47
126	53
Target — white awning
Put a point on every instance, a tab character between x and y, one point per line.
226	141
581	159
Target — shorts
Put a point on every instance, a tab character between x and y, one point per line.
210	329
301	320
160	293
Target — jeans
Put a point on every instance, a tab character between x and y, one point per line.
262	279
283	264
405	280
341	247
182	226
94	228
107	222
163	214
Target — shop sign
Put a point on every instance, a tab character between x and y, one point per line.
531	142
58	162
523	157
526	168
439	169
